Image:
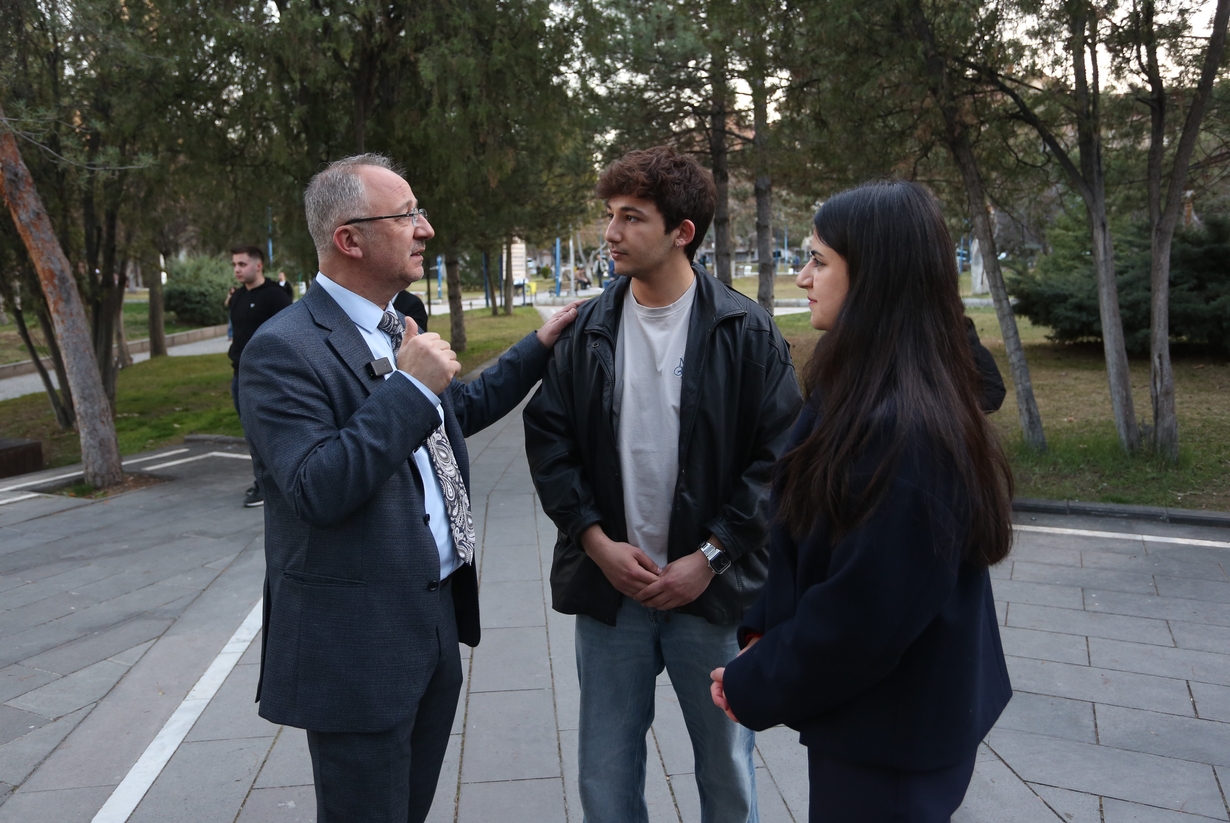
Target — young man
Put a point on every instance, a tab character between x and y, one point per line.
249	307
650	443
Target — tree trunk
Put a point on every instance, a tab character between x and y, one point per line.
1164	217
122	355
63	414
764	191
1114	345
721	169
157	319
457	317
100	451
1026	403
959	144
57	361
1083	31
508	279
493	285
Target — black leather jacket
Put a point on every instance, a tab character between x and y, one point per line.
739	399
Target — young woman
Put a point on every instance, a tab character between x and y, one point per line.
876	635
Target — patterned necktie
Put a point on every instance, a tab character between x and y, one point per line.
456	499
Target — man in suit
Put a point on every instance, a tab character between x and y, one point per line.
357	430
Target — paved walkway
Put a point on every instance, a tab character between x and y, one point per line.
24	384
112	612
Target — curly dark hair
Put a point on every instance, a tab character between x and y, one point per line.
680	187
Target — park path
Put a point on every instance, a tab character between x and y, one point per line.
111	612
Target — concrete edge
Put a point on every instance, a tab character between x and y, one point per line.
134	347
1185	517
224	439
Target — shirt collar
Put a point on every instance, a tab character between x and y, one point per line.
365	314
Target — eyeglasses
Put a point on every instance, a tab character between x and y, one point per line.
413	214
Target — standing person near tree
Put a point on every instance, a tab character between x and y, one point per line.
248	309
876	635
650	444
286	285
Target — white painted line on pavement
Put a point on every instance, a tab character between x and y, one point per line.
19	497
42	480
128	795
198	457
1148	538
136	460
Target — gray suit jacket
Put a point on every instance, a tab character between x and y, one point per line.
351	585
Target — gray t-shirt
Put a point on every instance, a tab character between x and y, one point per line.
648	384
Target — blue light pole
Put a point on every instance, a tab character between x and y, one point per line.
557	267
486	283
439	277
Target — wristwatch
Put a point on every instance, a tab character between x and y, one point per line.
718	561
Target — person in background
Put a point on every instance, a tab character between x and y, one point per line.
410	305
876	635
286	285
250	304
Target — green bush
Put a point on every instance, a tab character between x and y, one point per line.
1061	292
196	289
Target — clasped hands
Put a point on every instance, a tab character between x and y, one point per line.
632	573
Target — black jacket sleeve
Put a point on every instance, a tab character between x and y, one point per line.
993	391
742	522
500	388
411	306
551	445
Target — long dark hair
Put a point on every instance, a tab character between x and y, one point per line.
896	364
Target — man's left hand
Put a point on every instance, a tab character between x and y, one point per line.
681	582
550	331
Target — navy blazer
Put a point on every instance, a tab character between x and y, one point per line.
351	582
881	648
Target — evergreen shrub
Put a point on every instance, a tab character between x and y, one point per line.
196	289
1061	292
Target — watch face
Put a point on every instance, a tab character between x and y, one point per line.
719	563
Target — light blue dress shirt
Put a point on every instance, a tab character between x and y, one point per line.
366	316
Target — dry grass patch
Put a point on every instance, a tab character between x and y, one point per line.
1084	461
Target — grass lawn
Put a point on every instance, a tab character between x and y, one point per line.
1084	461
784	287
136	327
161	400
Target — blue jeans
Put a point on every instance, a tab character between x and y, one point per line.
617	666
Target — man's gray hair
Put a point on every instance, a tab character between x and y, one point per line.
337	194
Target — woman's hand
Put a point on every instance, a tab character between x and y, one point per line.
718	693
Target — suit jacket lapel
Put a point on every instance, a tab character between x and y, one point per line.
343	337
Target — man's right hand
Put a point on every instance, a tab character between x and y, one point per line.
428	358
628	568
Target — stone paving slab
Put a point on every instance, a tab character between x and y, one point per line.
1119	651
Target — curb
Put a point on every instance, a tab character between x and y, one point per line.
1184	517
223	439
